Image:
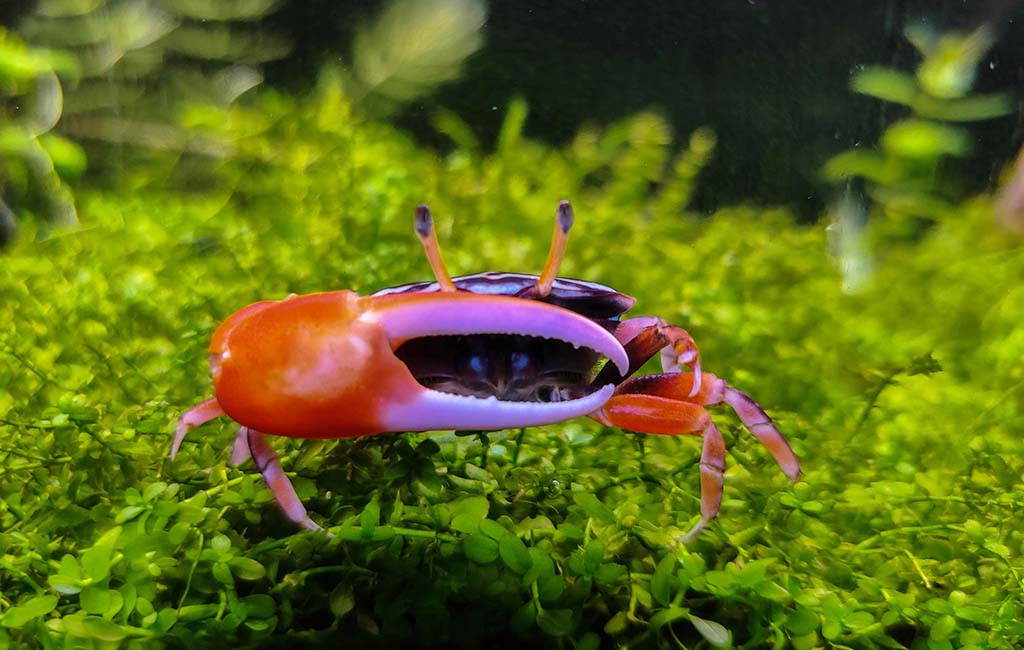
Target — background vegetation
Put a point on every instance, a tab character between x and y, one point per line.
902	395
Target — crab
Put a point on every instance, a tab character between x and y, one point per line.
480	352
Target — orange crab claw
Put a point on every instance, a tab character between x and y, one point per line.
323	365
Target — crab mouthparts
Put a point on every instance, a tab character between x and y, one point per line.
430	332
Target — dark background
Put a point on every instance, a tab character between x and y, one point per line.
770	77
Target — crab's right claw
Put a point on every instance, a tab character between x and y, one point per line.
324	365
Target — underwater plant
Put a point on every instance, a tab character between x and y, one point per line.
902	400
904	177
905	180
902	532
35	162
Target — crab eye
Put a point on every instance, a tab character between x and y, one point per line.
519	361
479	365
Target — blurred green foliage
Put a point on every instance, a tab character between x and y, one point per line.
132	68
904	402
35	163
907	175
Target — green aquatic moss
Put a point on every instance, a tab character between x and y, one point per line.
903	402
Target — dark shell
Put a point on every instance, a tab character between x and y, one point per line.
590	299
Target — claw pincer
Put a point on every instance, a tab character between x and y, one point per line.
481	352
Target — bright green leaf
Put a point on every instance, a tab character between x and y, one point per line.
19	615
480	548
514	554
715	633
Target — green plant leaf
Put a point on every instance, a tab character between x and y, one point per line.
514	554
593	507
247	569
19	615
342	599
468	513
886	84
715	633
555	622
480	548
662	581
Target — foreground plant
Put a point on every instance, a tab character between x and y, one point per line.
902	531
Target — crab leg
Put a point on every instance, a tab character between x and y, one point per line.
194	417
715	392
240	448
666	404
758	423
269	465
712	469
662	415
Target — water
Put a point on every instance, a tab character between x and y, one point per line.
826	199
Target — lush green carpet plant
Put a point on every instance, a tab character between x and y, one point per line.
904	402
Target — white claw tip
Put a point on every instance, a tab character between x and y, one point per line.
696	381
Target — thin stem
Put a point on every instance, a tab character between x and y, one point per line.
519	445
191	571
865	543
887	381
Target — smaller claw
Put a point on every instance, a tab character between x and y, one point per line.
683	352
697	377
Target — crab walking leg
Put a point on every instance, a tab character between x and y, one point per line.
270	466
712	484
662	415
240	448
192	418
643	337
758	423
715	392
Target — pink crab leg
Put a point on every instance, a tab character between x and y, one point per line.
425	230
198	415
270	467
559	240
665	404
712	484
650	413
240	448
713	393
758	423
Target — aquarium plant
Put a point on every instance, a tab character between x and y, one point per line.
35	162
903	402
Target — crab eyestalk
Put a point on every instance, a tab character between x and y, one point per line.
432	249
559	240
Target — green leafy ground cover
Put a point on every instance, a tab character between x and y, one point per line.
904	403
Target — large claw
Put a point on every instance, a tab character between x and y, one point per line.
407	316
323	365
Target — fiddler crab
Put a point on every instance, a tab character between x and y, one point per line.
478	352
